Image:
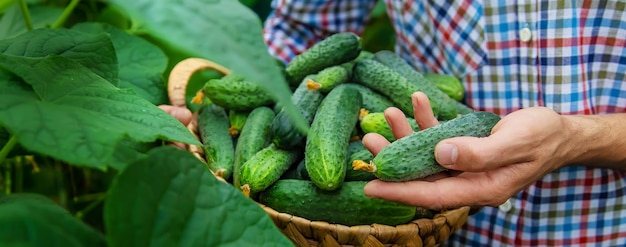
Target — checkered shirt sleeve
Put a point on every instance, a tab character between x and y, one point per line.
569	56
295	25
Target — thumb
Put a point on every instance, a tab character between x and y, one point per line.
477	154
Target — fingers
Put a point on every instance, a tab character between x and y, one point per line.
374	142
474	154
397	121
422	111
445	193
181	113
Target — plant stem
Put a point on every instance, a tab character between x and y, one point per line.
80	214
19	175
26	14
60	181
66	13
7	179
4	152
88	197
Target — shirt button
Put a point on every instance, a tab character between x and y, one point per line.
525	34
506	206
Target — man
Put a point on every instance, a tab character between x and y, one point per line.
553	168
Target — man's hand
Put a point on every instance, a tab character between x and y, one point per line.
182	114
523	147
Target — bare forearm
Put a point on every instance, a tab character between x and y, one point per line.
598	140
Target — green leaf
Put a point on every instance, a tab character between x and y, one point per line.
72	114
172	199
35	220
223	31
12	22
94	51
141	64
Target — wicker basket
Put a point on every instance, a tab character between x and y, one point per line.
304	232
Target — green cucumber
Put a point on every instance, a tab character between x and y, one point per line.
284	133
217	143
253	137
336	49
445	105
372	100
375	122
329	136
266	167
234	93
463	108
362	55
359	175
237	121
332	76
389	83
347	205
448	84
413	157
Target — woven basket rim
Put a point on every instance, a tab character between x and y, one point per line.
302	231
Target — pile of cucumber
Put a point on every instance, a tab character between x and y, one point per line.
341	91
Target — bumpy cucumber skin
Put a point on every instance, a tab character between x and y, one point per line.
237	121
463	109
267	166
375	122
336	49
412	156
218	145
389	83
358	175
283	131
253	137
372	101
329	136
347	206
332	76
445	105
234	93
448	84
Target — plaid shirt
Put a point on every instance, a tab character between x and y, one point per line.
569	56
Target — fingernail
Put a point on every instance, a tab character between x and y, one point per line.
446	154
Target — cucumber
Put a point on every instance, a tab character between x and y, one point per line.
347	205
463	108
389	83
446	108
237	121
372	101
266	167
359	175
413	157
253	137
217	143
336	49
232	92
355	146
375	122
307	99
448	84
332	76
362	55
329	136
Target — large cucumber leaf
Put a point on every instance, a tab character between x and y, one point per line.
170	198
140	63
64	110
12	21
94	51
35	220
224	31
